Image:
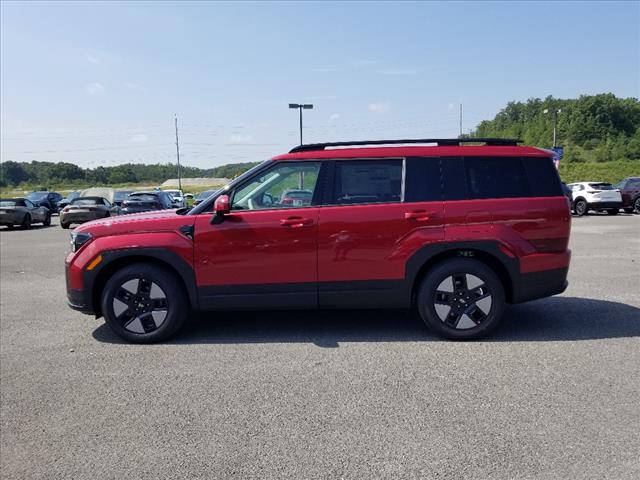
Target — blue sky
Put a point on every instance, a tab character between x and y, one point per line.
99	83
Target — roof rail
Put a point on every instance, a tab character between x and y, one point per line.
440	141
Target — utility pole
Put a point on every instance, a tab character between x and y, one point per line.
460	120
178	154
555	112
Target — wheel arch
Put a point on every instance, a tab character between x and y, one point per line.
117	260
488	253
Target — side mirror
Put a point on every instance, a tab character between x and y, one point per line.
221	207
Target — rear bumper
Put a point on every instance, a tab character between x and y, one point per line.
545	283
603	205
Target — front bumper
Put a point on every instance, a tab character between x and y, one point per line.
77	299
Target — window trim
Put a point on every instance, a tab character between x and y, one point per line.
326	199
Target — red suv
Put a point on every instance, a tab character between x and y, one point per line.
455	230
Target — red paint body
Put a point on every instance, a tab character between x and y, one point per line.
340	243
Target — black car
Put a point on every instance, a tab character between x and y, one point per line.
203	196
68	199
120	196
46	199
138	202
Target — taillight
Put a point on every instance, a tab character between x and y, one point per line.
550	245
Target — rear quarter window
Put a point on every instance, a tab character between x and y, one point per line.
472	178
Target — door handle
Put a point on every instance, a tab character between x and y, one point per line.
418	215
296	222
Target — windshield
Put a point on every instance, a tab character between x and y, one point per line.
87	201
174	193
143	197
601	186
37	196
121	194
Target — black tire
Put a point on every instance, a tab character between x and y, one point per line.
636	205
449	299
26	222
580	207
47	220
64	225
132	314
613	211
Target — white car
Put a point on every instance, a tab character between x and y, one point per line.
178	197
595	196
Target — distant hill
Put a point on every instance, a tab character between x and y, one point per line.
598	128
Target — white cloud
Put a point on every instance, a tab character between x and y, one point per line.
94	89
239	138
334	116
378	107
139	138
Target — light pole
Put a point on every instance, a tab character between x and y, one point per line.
300	107
555	112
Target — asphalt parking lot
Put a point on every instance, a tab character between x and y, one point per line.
555	393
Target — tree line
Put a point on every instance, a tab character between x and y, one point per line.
50	173
598	128
592	128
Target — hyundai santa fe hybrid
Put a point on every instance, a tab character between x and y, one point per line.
454	230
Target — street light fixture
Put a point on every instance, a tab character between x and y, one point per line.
300	107
555	112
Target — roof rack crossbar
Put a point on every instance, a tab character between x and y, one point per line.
439	141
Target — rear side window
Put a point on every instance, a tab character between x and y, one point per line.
367	181
489	177
499	177
423	181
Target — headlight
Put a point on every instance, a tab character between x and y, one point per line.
79	239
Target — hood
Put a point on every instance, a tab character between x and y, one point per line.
155	221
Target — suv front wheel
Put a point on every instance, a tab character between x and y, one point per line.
144	303
461	299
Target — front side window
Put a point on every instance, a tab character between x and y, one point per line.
28	204
285	185
367	181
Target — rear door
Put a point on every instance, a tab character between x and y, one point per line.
263	255
375	214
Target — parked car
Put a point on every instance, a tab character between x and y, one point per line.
630	193
387	227
599	196
139	202
119	196
178	197
296	197
84	209
67	200
202	196
23	212
567	193
46	199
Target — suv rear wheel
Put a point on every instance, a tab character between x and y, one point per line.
580	207
144	303
461	299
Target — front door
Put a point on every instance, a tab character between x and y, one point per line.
264	253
